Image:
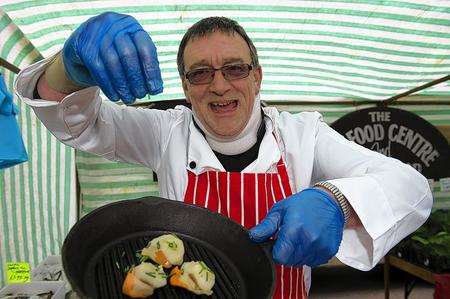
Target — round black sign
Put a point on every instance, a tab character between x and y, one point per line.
399	134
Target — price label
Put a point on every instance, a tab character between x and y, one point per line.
18	272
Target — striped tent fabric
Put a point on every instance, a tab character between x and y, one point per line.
310	51
103	181
37	198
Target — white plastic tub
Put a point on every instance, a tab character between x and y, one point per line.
35	288
49	269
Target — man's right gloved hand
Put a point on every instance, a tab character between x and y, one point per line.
113	52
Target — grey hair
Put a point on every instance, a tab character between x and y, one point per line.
209	25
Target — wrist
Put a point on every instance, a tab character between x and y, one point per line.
57	79
338	197
44	91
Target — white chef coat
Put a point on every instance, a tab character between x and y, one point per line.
391	198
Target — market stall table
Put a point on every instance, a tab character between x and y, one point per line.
441	281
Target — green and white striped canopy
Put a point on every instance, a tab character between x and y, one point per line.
313	51
309	50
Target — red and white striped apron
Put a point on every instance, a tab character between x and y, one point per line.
246	198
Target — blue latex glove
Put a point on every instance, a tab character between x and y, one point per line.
12	149
113	52
7	107
309	227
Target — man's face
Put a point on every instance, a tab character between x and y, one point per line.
224	107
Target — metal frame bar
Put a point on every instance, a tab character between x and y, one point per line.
9	66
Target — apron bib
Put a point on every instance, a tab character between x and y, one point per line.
246	198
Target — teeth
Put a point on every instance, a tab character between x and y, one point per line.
222	104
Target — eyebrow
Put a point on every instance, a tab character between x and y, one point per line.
204	62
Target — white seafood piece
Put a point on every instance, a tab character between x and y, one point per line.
142	280
138	289
194	276
166	250
151	274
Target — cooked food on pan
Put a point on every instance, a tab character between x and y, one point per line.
193	276
166	250
142	280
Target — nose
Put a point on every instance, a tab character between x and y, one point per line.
219	84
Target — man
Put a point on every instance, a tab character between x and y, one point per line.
316	192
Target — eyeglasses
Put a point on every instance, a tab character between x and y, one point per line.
230	72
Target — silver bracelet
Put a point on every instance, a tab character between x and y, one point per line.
343	202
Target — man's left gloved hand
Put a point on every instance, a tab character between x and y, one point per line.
308	227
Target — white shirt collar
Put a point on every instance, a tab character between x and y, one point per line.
201	158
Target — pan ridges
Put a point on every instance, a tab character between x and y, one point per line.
111	268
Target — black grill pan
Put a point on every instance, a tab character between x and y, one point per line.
103	245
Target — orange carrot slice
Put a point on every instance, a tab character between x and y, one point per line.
174	280
161	259
135	288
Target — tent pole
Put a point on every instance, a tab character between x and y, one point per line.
416	89
9	66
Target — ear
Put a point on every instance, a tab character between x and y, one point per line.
258	79
185	89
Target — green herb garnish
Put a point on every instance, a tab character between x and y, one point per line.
142	257
128	268
151	274
172	245
204	267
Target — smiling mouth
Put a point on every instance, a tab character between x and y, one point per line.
223	107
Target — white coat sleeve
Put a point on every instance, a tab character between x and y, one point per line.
83	121
391	198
